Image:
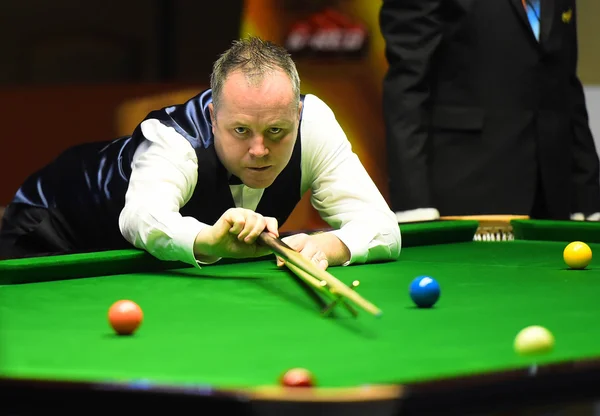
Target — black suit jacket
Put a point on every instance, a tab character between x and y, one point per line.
477	109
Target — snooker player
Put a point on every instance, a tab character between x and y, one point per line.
199	181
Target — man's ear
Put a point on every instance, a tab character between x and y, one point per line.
300	109
213	118
211	110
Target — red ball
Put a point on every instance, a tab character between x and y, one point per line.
297	377
125	316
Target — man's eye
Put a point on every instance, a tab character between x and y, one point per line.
274	130
240	130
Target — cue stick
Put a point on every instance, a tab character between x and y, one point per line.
341	300
312	291
319	286
310	268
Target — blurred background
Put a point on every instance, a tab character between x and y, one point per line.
75	71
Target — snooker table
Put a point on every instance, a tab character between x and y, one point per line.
218	338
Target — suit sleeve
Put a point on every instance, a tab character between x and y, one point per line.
412	30
586	172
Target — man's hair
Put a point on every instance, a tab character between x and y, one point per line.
256	58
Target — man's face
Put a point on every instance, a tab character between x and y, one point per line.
255	127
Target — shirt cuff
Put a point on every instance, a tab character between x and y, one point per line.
356	237
184	243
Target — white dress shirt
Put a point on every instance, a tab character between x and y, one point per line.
164	175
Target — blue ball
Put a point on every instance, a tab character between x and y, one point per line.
424	291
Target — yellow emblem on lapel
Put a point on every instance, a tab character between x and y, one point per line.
566	16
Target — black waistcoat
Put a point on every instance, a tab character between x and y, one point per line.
85	186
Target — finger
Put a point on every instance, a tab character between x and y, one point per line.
311	252
323	264
295	242
272	226
280	261
318	257
236	220
257	228
250	222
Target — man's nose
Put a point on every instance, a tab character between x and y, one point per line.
258	148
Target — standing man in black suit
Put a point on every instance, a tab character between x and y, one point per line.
484	111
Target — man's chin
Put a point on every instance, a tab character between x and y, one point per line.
259	184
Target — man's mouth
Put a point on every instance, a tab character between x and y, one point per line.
260	169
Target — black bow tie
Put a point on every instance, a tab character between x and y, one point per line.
234	180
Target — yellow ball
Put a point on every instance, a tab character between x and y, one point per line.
534	339
577	255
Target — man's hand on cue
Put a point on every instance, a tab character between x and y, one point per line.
235	235
323	249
